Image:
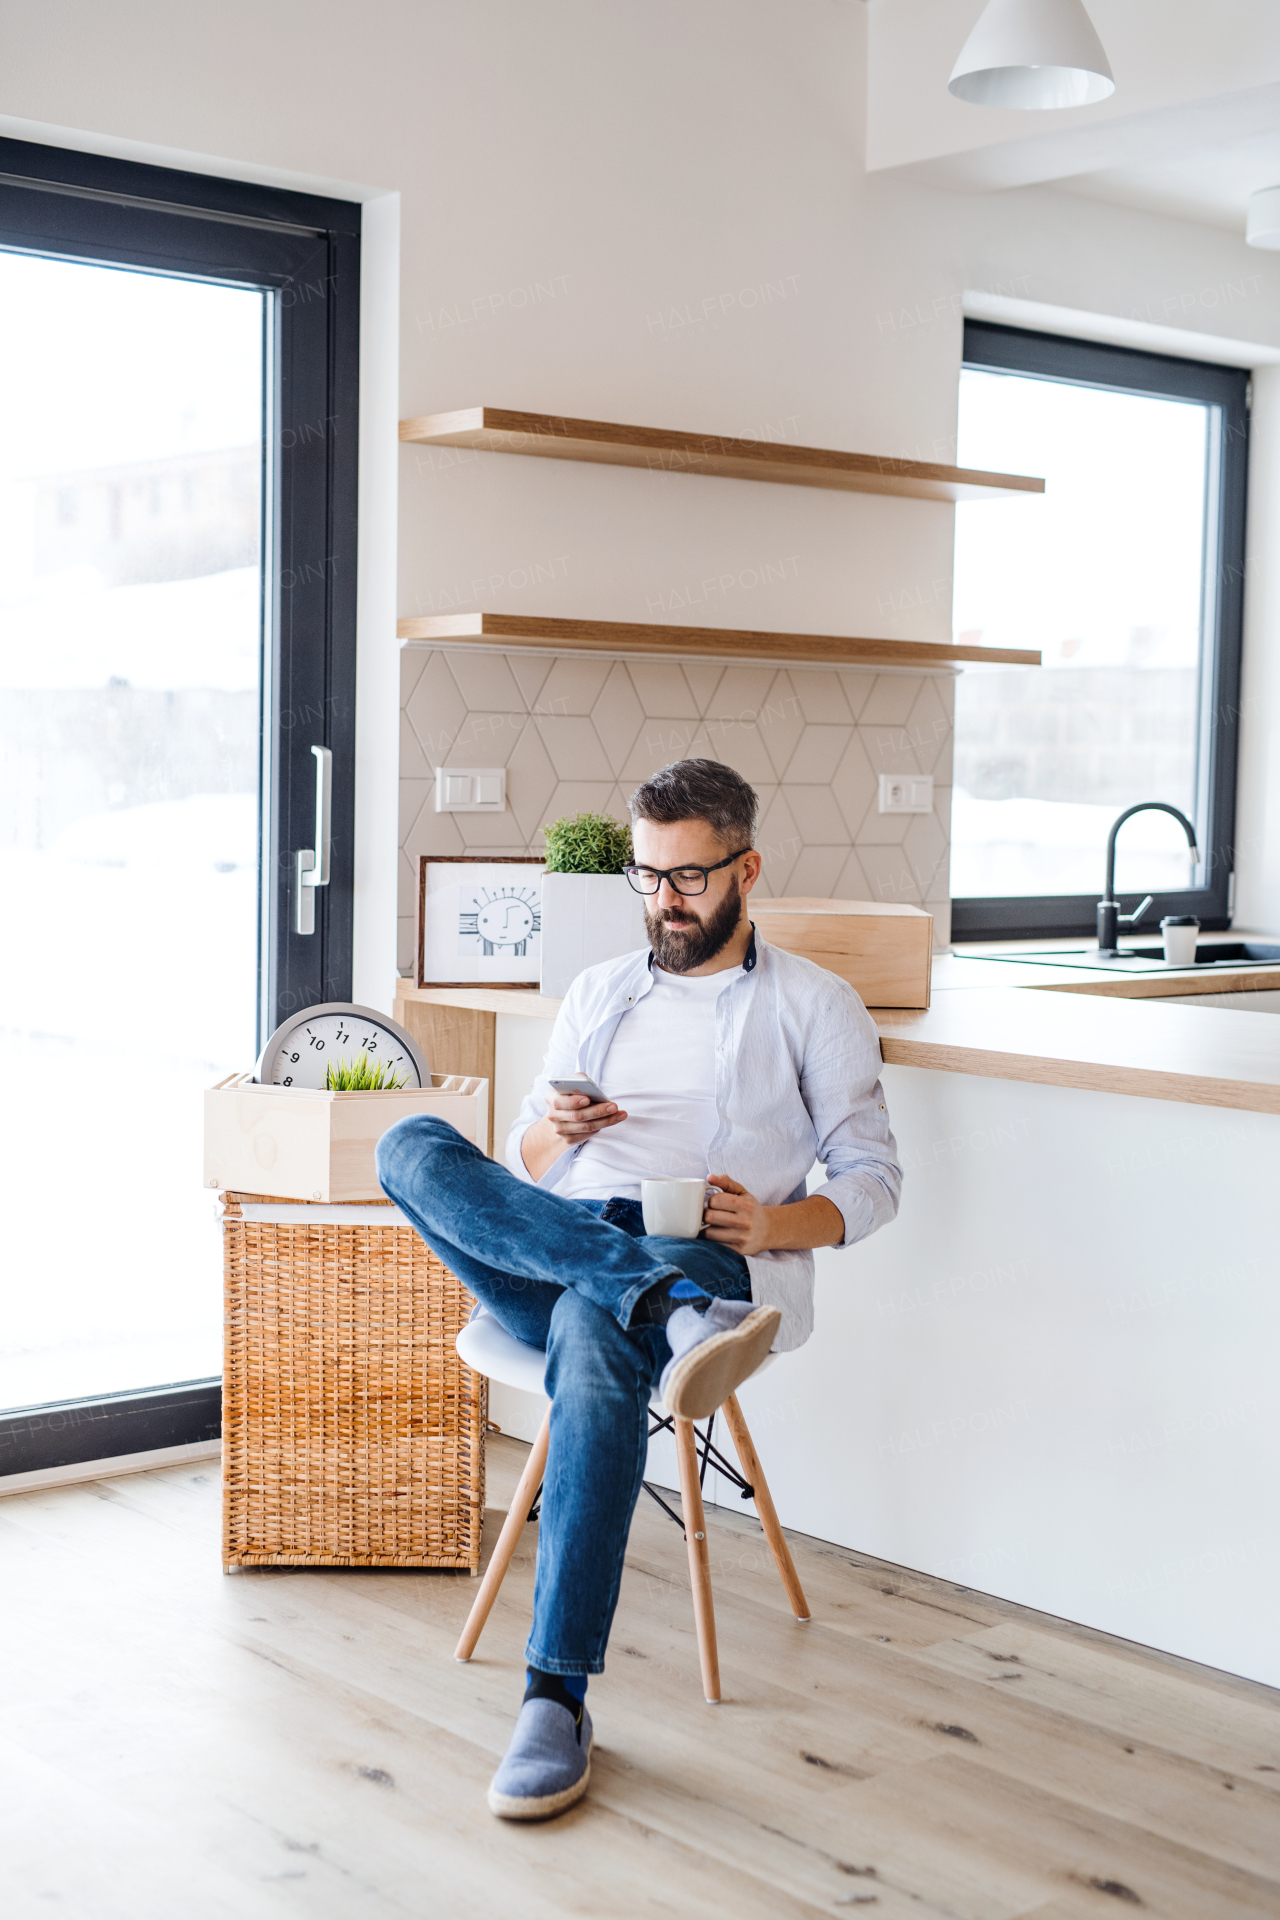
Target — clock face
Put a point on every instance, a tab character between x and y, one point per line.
300	1050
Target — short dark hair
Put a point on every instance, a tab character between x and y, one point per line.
700	790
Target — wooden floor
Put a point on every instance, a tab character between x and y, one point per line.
176	1744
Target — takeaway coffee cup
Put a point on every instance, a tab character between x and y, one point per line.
1180	934
673	1207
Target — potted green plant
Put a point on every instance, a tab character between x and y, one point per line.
589	910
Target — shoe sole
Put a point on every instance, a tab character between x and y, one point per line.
703	1379
545	1806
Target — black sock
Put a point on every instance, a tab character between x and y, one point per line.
655	1308
559	1687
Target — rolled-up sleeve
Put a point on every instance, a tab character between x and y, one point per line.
840	1083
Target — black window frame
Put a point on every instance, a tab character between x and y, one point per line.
990	348
306	249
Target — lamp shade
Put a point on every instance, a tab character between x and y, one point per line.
1263	229
1032	53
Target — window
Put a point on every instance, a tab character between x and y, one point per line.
163	677
1128	576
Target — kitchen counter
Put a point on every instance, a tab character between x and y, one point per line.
1054	1025
1052	1377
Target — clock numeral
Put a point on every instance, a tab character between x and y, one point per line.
295	1057
317	1043
288	1080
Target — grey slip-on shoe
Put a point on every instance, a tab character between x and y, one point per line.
547	1766
713	1353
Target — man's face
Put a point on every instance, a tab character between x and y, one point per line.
685	931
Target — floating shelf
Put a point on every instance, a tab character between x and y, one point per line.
625	636
554	437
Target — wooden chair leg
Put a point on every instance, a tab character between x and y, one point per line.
695	1533
749	1460
512	1528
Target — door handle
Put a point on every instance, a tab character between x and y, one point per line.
311	864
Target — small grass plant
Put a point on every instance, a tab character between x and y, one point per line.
587	843
361	1075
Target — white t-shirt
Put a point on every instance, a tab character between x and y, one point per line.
661	1070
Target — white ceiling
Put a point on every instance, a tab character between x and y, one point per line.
1192	129
1210	182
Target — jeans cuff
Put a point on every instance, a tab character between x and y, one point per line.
627	1304
548	1663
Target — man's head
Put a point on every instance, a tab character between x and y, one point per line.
695	813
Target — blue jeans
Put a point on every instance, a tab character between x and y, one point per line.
564	1275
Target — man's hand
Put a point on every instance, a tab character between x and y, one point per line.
736	1219
570	1117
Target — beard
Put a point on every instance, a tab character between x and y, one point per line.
682	940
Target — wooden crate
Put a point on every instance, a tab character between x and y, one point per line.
309	1145
884	952
352	1434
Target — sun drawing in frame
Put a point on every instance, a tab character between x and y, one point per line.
503	919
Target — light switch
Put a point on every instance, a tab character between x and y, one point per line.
471	790
906	793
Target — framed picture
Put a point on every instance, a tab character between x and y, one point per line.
479	920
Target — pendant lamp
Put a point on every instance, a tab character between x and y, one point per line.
1032	53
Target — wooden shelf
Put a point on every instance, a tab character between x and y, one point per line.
555	437
625	636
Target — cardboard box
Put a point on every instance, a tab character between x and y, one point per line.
884	952
297	1144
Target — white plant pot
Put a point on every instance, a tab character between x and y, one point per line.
586	918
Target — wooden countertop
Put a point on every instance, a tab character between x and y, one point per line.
1049	1025
526	1000
1194	1054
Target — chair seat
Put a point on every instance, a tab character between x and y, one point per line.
486	1347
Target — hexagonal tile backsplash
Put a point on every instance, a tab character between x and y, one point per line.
578	732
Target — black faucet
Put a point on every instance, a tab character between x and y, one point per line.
1110	918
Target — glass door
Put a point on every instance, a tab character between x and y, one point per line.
131	464
177	575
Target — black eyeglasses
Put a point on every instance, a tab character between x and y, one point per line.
683	880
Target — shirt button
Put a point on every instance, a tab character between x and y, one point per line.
882	1106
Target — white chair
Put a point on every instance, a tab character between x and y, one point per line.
486	1347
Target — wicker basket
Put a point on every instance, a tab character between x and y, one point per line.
353	1436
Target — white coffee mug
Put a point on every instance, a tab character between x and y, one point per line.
673	1207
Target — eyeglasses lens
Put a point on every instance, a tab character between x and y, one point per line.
688	880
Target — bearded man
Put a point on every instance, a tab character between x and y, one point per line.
722	1058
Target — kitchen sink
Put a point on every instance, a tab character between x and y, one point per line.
1220	956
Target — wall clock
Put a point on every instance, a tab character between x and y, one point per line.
302	1046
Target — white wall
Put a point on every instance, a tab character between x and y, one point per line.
686	177
657	214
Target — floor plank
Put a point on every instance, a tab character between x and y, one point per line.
285	1742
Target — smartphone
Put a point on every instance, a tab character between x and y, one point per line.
580	1084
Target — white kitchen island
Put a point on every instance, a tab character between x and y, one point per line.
1053	1378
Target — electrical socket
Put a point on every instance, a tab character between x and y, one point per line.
906	793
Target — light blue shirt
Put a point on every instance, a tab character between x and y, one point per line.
797	1082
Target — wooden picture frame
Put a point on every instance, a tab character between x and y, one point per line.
434	947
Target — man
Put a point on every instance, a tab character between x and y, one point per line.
723	1058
